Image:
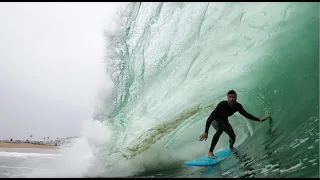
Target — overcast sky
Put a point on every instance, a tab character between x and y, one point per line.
51	66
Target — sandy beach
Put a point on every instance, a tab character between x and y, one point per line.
25	145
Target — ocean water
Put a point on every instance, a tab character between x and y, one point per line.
171	63
19	162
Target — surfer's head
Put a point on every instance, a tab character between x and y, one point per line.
232	97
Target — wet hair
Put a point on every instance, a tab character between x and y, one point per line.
232	92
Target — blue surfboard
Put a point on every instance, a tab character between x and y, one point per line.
207	161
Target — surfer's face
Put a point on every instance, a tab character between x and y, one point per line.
232	98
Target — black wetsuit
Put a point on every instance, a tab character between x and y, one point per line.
219	119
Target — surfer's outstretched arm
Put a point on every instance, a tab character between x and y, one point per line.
209	121
247	115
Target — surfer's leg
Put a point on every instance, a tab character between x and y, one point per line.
216	125
214	142
228	129
215	139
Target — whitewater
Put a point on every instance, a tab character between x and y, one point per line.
171	63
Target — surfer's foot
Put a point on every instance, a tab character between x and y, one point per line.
233	149
210	154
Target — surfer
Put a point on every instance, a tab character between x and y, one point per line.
219	120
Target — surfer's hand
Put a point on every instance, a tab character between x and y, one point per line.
203	136
265	118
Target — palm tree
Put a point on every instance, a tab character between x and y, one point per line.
31	138
56	143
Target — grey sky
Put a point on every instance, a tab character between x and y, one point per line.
51	66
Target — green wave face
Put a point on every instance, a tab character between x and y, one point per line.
173	62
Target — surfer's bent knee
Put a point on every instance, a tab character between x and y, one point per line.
215	124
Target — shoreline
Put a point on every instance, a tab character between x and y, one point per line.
26	145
